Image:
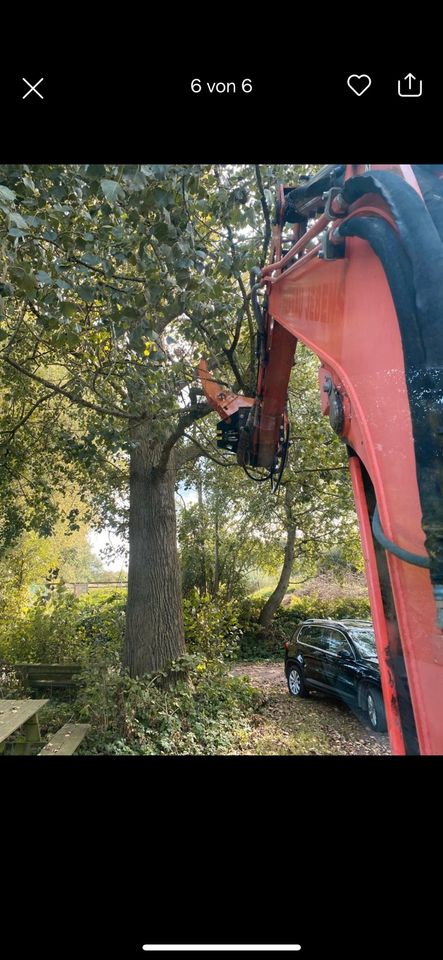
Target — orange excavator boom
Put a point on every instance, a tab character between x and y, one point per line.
362	287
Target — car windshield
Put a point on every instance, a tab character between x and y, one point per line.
364	640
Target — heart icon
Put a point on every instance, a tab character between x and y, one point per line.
359	83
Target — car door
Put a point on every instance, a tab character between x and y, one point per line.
341	665
311	645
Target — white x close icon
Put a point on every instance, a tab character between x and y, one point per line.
32	88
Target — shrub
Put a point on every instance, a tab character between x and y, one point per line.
256	642
45	632
11	685
61	628
303	608
54	715
212	625
194	709
102	618
94	598
261	594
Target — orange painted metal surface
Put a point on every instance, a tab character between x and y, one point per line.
221	399
377	611
272	388
343	311
300	244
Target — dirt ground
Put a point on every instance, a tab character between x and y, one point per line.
318	725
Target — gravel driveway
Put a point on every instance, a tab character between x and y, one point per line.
318	725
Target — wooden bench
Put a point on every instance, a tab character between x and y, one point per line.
48	675
66	740
20	718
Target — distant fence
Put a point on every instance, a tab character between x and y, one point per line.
80	588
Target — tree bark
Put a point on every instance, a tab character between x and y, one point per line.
216	583
272	604
201	534
154	622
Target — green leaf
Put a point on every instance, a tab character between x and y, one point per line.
18	220
161	231
68	309
50	323
43	277
112	190
138	181
86	293
70	338
90	259
95	170
23	280
7	195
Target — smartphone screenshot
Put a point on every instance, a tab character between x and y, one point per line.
221	515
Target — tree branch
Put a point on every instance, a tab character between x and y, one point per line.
265	208
228	352
11	433
204	453
92	269
186	419
67	393
245	296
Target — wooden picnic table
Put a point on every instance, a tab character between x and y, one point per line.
22	716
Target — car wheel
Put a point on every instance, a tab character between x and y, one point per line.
375	709
296	683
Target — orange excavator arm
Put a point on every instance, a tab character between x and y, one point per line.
362	287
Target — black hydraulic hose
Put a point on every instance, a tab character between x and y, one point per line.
258	314
422	349
405	555
255	286
257	479
421	242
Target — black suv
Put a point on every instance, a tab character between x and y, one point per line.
338	657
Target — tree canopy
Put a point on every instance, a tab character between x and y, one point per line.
115	281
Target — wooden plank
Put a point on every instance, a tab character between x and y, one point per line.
14	748
66	740
48	674
29	737
55	681
15	713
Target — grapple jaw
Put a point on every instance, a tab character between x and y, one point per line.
258	438
237	414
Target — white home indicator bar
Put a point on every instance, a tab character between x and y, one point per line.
191	947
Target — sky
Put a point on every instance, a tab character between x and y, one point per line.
107	538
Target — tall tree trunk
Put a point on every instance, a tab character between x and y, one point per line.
216	582
201	533
154	620
272	604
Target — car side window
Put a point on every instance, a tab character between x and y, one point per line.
314	637
338	642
